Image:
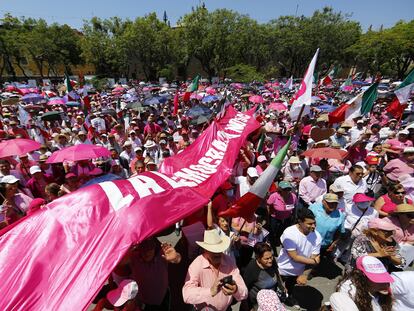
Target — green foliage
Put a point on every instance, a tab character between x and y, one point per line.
224	42
47	45
243	73
389	51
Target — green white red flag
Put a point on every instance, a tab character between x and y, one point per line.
248	203
191	88
358	106
404	90
402	93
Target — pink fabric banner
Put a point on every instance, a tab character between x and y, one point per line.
59	257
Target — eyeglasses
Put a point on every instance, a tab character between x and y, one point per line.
359	174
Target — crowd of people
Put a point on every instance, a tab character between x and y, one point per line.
354	211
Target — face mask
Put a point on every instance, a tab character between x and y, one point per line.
230	192
295	167
363	205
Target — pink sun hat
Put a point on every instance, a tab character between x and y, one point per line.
373	269
126	290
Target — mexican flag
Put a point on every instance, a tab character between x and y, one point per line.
347	85
248	203
191	88
72	95
404	90
303	96
402	93
358	106
329	78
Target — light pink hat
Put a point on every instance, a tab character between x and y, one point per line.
268	300
373	269
381	224
126	290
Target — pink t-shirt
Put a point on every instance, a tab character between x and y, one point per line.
390	206
398	145
282	209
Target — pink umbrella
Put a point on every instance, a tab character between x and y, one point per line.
17	146
277	106
237	86
256	99
196	96
78	152
211	91
56	101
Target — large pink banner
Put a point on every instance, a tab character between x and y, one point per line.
59	257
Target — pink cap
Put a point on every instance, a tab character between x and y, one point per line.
360	197
126	290
381	224
261	158
373	269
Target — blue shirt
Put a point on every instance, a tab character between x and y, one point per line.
327	224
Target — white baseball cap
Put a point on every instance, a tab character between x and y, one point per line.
35	169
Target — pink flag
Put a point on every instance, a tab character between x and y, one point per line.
59	257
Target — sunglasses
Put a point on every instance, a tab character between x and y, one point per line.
399	192
409	215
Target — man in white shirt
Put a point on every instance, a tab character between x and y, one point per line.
301	248
389	130
356	132
245	182
128	154
99	123
352	183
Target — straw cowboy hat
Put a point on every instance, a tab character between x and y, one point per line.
213	242
404	208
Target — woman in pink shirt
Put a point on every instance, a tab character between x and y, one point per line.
280	205
387	203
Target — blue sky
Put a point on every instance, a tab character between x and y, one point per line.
368	12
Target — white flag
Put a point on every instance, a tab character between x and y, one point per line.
304	95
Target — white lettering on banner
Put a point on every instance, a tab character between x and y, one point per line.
238	123
114	195
192	176
212	153
171	182
203	169
144	184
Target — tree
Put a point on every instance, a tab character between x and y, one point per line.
102	45
294	40
212	38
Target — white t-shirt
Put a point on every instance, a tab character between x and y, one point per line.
352	214
304	245
350	189
348	288
402	291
